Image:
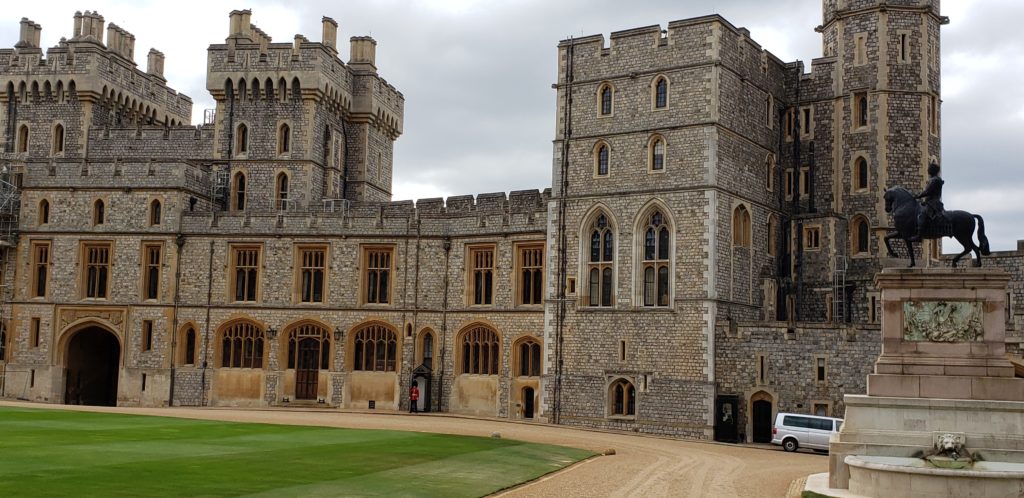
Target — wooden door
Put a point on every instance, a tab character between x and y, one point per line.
527	402
762	421
307	368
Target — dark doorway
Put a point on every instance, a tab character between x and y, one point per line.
527	402
93	364
307	368
421	377
726	410
762	420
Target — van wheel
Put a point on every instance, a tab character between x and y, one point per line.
790	445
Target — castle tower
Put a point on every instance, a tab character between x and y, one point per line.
296	123
866	118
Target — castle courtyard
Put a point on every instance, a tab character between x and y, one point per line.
641	466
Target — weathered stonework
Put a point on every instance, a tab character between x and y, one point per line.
751	311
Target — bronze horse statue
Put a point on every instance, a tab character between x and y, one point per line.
900	203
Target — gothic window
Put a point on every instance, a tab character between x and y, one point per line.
769	172
189	351
41	268
812	238
151	270
268	90
242	346
860	237
860	174
655	263
239	187
481	278
374	349
601	159
284	137
96	262
23	138
98	212
860	109
155	212
245	266
528	358
605	93
296	89
660	92
242	139
622	398
281	192
44	212
312	268
601	263
58	138
656	159
773	236
427	349
308	333
480	351
530	268
377	277
741	226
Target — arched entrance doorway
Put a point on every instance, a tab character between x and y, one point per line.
761	417
527	402
93	359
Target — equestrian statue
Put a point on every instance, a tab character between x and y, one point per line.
915	222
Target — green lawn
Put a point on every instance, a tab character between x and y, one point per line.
65	453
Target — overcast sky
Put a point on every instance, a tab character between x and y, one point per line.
477	74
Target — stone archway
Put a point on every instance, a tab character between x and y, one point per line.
93	364
761	417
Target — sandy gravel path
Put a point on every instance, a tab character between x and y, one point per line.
641	467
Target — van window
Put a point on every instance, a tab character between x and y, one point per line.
823	424
791	421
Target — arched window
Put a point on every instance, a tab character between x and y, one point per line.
242	346
242	92
284	137
769	108
239	187
312	340
282	87
528	358
255	90
860	235
189	349
44	212
242	139
427	349
58	138
23	138
155	212
661	92
480	351
860	174
601	263
98	212
281	194
374	349
268	89
296	89
741	226
622	398
605	93
655	263
773	236
656	158
769	173
601	158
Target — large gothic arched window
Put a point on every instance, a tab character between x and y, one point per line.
655	266
601	263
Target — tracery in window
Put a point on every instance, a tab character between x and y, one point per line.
601	263
374	349
242	346
655	263
480	351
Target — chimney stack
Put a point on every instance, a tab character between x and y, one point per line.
155	63
30	34
240	24
330	34
363	53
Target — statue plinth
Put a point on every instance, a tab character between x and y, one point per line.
942	370
943	336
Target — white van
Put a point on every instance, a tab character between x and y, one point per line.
794	431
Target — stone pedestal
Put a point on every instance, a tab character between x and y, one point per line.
942	369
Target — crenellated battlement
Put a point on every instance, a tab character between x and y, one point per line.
98	70
157	142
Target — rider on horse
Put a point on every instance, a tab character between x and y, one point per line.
933	208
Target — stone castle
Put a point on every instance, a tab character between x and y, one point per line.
704	258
